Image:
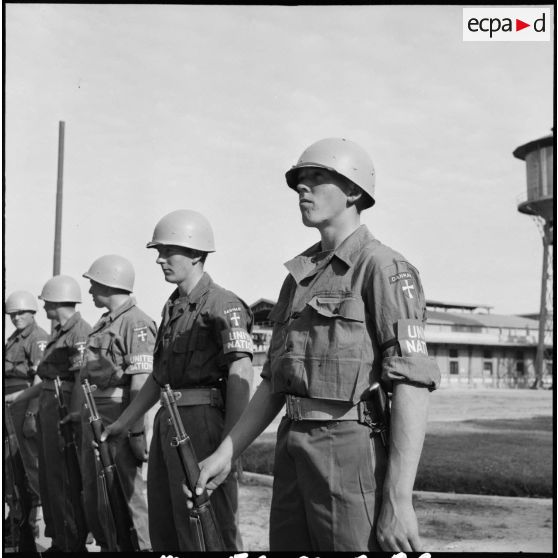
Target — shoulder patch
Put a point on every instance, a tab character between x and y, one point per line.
233	314
407	281
80	346
141	333
41	345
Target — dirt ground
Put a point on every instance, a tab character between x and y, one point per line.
448	522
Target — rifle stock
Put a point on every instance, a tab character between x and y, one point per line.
114	500
72	462
202	516
17	494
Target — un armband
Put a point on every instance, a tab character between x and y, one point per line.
410	339
237	340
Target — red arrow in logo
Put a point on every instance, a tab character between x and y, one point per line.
519	25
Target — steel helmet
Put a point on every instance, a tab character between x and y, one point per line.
21	301
186	228
112	271
340	156
61	288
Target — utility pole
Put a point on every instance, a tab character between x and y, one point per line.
59	192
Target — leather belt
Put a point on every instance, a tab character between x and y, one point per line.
116	393
12	381
48	384
304	408
198	396
13	385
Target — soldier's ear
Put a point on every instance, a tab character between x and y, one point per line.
198	259
354	195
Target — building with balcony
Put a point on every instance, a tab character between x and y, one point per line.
471	345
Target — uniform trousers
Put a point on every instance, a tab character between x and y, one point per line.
56	493
28	448
327	487
169	526
130	473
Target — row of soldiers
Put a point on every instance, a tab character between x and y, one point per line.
343	314
116	357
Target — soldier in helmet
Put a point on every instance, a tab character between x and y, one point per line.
62	359
22	354
350	313
118	360
203	350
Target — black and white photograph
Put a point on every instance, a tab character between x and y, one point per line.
279	278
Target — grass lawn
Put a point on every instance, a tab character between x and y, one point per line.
499	457
495	456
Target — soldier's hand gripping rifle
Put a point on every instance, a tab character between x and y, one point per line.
71	460
201	515
125	537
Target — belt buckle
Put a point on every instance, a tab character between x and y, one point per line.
293	408
215	398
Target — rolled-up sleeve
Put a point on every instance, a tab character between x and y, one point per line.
398	309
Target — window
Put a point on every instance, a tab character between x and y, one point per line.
519	364
454	361
487	365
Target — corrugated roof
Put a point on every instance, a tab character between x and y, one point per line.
481	320
263	300
434	316
439	304
499	320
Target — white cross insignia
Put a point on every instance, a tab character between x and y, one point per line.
142	335
81	348
235	318
407	289
42	345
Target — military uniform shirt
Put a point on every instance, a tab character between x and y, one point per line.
24	349
200	336
346	318
120	345
64	352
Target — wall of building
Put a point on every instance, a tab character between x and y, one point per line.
489	366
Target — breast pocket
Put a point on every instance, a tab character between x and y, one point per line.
337	325
180	346
101	365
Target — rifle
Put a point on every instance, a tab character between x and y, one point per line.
374	412
202	517
18	495
71	460
116	505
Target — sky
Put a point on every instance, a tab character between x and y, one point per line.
205	107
